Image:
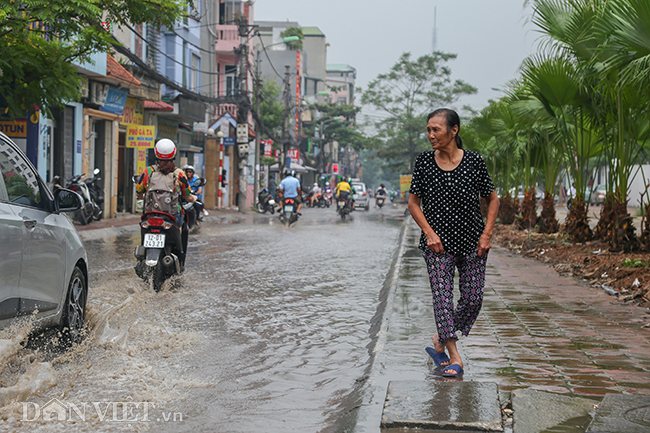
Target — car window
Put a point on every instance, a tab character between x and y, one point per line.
20	181
359	186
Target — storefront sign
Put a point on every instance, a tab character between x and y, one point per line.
228	141
294	154
115	100
268	147
167	129
17	129
133	112
298	90
140	136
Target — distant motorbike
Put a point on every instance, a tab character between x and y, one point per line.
289	212
327	197
265	202
380	201
193	219
344	205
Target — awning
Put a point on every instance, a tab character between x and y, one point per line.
157	106
297	167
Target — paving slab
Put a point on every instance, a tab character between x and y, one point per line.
622	413
442	406
537	411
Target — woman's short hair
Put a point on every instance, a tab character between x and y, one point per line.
451	119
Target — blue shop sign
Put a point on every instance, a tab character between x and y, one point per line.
115	101
228	141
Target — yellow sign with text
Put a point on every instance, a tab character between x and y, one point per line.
133	112
405	183
17	129
140	136
141	163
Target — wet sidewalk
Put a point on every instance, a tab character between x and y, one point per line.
537	330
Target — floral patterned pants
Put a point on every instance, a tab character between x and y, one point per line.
471	269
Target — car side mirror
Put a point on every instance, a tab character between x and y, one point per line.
67	200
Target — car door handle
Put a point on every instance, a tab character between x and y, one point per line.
30	224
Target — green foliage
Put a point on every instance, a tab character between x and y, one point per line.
294	31
271	110
406	94
39	40
634	263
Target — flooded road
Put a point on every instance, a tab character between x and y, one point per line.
267	331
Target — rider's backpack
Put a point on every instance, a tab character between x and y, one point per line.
161	193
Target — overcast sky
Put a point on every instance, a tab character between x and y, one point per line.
491	37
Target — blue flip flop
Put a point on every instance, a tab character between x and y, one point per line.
457	368
438	357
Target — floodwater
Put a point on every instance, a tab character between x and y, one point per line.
268	330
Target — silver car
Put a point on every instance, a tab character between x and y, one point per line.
361	198
43	263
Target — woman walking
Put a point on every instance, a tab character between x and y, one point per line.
444	202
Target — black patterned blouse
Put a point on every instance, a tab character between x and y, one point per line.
450	200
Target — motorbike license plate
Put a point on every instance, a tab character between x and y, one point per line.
288	208
154	240
341	203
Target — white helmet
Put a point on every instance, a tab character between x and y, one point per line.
327	183
188	167
165	149
315	183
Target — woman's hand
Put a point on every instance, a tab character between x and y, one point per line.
434	243
484	244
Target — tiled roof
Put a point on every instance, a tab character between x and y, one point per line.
157	106
115	70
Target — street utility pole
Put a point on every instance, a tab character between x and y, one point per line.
242	113
285	119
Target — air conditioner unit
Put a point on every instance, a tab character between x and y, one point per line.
98	93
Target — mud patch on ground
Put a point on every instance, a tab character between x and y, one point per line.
591	261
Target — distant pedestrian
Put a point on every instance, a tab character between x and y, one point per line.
272	185
444	202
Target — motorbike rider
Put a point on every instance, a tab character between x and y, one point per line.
290	188
381	192
197	190
343	190
315	192
165	171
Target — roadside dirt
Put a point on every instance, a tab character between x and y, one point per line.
590	261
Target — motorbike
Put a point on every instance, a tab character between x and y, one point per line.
380	201
91	209
193	219
289	212
96	194
265	202
160	253
327	198
344	205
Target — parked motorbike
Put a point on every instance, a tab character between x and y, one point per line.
380	201
160	253
90	209
344	205
96	194
289	212
265	202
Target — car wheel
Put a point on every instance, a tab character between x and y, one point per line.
74	308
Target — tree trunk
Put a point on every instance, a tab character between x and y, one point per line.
616	226
507	210
547	221
577	223
528	210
